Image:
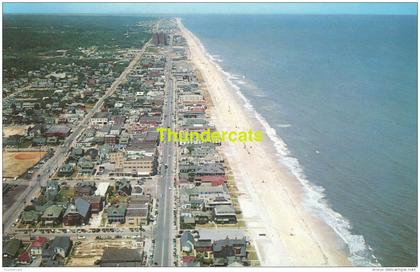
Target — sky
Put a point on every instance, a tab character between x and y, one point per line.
217	8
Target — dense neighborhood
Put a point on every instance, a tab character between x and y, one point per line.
88	164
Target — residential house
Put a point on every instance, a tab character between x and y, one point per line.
66	170
52	190
77	213
204	245
52	215
24	258
213	180
123	187
30	217
224	214
39	141
86	167
76	153
227	251
95	201
211	169
187	242
38	245
61	245
116	213
85	188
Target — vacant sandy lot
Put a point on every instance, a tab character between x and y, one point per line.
16	163
88	251
12	130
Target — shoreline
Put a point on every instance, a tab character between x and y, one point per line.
271	197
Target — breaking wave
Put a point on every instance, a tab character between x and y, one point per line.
360	253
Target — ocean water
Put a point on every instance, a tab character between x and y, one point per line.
338	95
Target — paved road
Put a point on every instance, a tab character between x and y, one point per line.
164	235
41	176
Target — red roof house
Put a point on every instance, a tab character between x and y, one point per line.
214	180
38	244
24	258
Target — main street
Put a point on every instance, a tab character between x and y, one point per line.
164	235
41	176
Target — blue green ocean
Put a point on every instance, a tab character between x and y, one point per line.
341	92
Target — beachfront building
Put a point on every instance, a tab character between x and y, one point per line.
228	251
224	214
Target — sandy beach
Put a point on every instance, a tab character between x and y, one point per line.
271	197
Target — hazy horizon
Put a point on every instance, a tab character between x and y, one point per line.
210	8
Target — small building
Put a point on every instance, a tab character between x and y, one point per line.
138	209
228	251
52	190
39	141
123	187
78	213
213	180
100	119
95	201
187	242
102	190
116	213
30	217
86	167
76	153
52	215
59	131
52	140
121	257
38	245
203	245
124	139
211	169
85	188
224	214
110	139
137	216
24	258
66	170
61	245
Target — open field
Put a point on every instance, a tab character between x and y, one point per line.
16	163
13	130
87	252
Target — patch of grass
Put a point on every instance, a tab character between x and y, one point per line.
66	194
